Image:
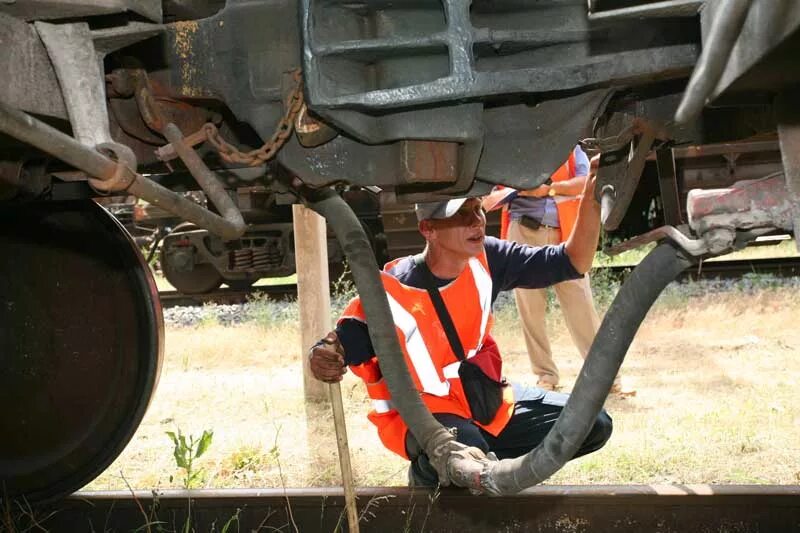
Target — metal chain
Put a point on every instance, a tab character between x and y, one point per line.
253	158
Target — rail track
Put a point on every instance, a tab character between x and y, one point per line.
778	266
620	508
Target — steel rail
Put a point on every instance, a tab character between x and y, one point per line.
614	508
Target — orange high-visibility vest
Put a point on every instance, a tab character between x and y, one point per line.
428	355
567	208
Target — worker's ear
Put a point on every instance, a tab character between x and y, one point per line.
426	228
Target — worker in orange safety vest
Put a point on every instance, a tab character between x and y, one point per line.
465	270
544	216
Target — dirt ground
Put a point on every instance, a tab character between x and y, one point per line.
717	402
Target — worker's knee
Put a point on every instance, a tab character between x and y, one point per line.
601	431
599	434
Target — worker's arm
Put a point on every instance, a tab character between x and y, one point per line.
582	244
571	187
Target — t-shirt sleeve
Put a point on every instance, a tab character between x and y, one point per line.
581	162
354	337
519	266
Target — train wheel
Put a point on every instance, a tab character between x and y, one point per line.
81	345
240	284
177	263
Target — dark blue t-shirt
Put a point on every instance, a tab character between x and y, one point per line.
511	265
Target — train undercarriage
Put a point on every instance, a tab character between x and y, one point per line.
261	104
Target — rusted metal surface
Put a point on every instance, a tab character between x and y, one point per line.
558	509
311	131
685	152
429	161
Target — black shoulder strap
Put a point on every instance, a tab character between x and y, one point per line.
441	308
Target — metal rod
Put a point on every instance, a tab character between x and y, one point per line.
24	127
152	192
207	179
667	8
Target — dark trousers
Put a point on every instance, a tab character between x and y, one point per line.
535	412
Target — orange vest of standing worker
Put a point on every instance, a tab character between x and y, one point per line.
428	355
567	207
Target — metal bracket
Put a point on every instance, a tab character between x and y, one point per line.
695	247
72	51
621	164
788	119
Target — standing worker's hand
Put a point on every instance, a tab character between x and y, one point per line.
326	359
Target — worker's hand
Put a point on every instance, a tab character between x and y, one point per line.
326	359
539	192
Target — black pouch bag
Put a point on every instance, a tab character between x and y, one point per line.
484	394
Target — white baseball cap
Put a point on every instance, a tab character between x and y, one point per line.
443	209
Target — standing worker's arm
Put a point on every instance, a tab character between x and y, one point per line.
571	187
582	244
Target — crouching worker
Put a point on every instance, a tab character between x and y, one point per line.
441	301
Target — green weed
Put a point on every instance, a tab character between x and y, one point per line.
186	452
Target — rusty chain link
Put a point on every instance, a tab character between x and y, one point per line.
230	154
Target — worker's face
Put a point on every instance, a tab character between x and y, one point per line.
461	234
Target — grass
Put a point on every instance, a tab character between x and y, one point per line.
716	374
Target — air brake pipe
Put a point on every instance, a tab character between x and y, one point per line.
103	169
608	350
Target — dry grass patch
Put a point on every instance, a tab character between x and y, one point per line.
717	381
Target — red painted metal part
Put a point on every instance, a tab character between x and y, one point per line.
745	205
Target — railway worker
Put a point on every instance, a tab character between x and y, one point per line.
546	216
467	270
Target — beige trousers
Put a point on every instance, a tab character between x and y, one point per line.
574	297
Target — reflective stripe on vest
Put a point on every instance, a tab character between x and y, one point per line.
382	406
417	350
483	281
415	345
